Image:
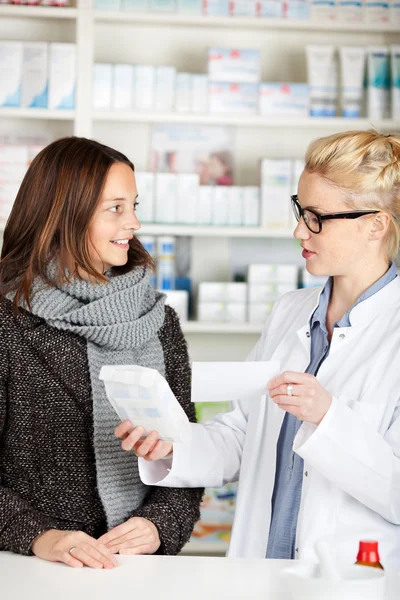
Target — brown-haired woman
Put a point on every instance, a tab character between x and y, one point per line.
75	295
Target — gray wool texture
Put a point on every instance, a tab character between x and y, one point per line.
120	321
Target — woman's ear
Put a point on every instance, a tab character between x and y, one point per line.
380	225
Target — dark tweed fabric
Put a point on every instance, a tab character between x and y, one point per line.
47	462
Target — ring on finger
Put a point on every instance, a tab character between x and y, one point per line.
72	548
289	388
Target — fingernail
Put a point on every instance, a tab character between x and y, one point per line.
109	565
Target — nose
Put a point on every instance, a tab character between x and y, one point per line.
301	231
132	222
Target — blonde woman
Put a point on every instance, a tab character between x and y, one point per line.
320	456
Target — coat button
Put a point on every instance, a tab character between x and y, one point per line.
308	334
297	550
306	474
342	336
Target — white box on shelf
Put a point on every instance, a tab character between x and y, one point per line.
145	87
188	198
233	292
145	189
309	280
165	6
14	154
395	12
276	177
211	311
324	10
236	292
11	59
190	7
62	76
251	206
236	312
243	8
351	11
165	88
284	99
233	97
12	172
199	93
123	87
179	300
376	11
216	8
102	86
270	292
270	8
296	9
107	4
206	204
235	209
234	64
166	186
35	75
258	313
272	273
221	205
135	5
183	92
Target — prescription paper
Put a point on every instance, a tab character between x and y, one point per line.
231	381
144	397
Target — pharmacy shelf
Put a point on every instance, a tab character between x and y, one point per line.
39	12
240	22
199	548
37	113
337	123
199	231
223	328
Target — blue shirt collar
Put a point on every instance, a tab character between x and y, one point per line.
319	315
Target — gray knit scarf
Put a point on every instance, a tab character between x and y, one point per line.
120	320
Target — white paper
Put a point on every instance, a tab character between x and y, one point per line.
144	397
231	381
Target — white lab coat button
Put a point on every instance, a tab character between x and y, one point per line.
308	334
297	550
306	474
342	336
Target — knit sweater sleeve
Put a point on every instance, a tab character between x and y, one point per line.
174	511
20	523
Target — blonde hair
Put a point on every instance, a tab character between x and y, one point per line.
366	164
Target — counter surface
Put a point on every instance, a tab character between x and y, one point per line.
149	578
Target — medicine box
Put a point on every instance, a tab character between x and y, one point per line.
276	178
165	88
188	198
11	58
102	86
234	65
145	189
251	206
123	87
166	192
145	87
199	93
62	76
284	99
35	75
233	97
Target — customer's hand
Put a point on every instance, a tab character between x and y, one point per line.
135	536
74	548
151	448
300	394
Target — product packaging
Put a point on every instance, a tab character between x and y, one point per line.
35	75
323	80
62	76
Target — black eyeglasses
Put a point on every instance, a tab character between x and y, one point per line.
314	221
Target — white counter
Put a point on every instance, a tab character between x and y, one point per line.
147	578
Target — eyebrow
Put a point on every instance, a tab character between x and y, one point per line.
119	199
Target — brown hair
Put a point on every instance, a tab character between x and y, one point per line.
51	216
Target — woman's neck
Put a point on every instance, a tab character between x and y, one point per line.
347	289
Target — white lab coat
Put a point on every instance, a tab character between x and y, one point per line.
351	483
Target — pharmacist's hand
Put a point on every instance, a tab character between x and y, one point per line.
151	448
308	401
74	548
135	536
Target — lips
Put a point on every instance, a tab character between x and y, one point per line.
307	253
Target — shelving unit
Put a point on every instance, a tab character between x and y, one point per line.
182	40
